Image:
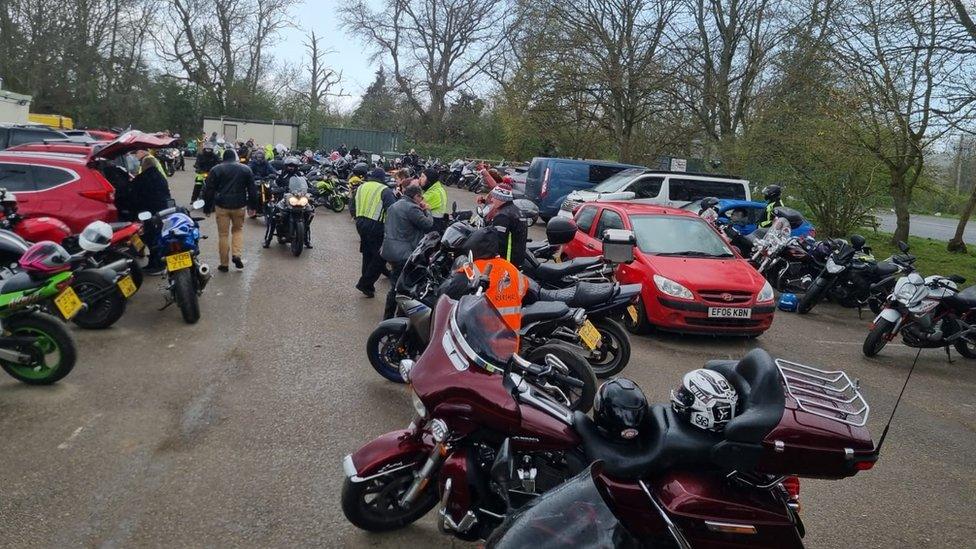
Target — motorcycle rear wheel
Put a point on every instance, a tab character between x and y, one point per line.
373	505
574	359
966	349
613	355
185	293
877	338
51	337
102	311
336	204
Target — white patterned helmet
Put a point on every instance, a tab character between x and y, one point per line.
706	398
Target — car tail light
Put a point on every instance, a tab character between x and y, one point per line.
544	189
106	192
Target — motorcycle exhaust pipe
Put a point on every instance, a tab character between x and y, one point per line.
119	265
204	271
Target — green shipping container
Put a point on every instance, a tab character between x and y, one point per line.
370	141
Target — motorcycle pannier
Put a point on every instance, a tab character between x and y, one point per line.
618	245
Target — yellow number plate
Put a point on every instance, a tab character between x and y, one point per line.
179	261
127	286
632	311
137	243
590	335
68	303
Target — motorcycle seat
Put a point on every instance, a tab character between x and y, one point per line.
550	272
761	395
543	310
583	294
885	269
962	301
19	282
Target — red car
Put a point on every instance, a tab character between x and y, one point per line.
70	181
693	280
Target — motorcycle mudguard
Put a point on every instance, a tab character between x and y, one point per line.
397	323
387	453
891	315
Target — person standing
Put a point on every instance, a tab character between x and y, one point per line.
150	193
503	213
435	195
369	207
407	221
228	190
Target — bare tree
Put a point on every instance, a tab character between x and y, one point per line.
966	46
436	47
318	82
613	50
219	44
894	72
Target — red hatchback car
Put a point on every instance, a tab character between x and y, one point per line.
693	280
69	181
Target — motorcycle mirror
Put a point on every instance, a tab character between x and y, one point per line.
144	216
903	246
957	279
198	204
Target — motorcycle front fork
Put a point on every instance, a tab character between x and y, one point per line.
420	482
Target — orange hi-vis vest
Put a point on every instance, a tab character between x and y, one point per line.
506	288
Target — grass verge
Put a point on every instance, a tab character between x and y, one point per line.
932	255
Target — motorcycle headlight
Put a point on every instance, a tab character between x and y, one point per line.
766	294
832	267
672	288
418	405
298	201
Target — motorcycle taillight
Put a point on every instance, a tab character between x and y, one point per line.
792	485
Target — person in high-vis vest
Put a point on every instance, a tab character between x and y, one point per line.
436	197
369	206
773	195
356	177
269	152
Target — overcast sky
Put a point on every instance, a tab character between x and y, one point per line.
350	55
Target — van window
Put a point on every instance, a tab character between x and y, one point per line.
46	177
535	169
598	173
584	218
646	187
570	171
695	189
16	177
609	219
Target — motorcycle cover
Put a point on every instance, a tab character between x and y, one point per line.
573	515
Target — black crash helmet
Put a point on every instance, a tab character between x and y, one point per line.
620	408
360	169
857	241
772	193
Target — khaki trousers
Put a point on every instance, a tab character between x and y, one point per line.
230	221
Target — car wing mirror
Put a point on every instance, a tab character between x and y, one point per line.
144	216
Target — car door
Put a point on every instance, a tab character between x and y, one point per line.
582	243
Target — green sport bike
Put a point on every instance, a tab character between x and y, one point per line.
35	347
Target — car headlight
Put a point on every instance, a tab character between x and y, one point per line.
672	288
832	267
418	405
766	294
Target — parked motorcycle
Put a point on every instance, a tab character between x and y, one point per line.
291	217
330	193
927	312
852	278
35	347
179	242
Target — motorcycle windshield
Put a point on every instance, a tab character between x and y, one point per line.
298	185
572	515
484	330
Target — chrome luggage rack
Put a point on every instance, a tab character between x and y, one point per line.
830	395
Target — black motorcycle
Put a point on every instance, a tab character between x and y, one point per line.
852	278
291	217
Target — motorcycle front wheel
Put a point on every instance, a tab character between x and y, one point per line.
812	296
579	398
374	505
185	294
336	204
53	349
102	311
877	338
298	239
386	347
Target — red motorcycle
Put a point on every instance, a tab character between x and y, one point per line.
479	411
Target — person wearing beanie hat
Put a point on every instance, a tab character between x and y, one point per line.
503	213
436	197
378	174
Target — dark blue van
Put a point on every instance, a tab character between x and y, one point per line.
549	180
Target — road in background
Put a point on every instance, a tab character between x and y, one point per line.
929	226
231	432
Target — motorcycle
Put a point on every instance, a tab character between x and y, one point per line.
852	278
265	196
927	312
179	242
291	217
172	160
35	347
330	193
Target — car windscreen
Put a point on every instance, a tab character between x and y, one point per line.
679	236
616	182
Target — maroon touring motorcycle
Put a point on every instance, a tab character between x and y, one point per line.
487	440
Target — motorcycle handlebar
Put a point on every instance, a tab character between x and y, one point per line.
571	381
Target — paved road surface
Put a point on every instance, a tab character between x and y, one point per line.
230	432
930	226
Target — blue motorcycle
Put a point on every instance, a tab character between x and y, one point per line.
179	244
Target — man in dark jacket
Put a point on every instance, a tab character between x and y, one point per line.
260	166
205	162
150	193
505	214
228	190
407	221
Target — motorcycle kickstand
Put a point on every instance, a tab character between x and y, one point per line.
948	355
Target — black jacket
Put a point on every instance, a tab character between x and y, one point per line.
149	192
230	185
516	233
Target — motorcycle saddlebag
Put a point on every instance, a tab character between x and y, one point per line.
618	245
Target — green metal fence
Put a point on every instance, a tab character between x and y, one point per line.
367	140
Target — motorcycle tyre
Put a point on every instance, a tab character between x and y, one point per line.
185	294
358	513
811	297
608	327
104	311
877	338
55	330
579	368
